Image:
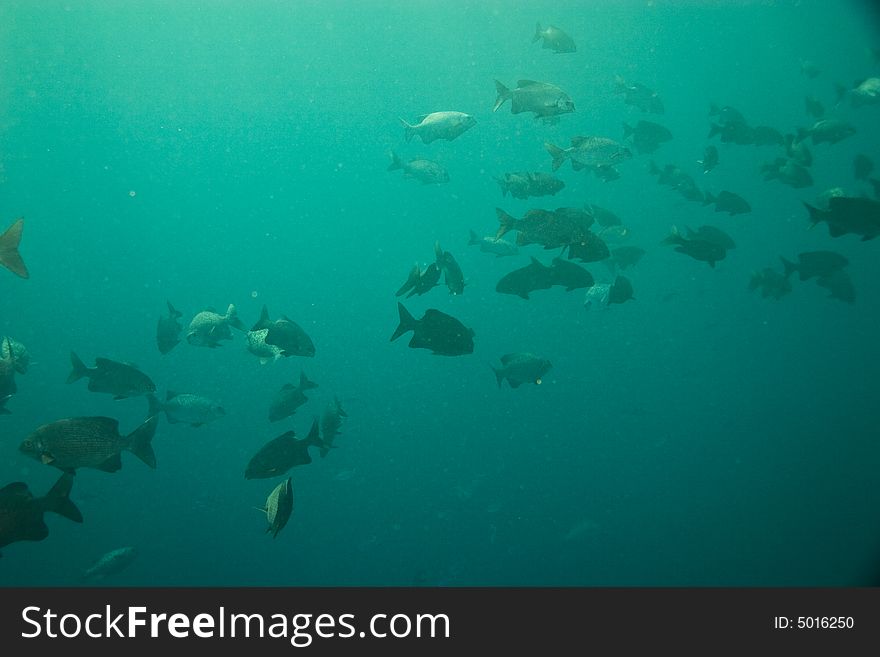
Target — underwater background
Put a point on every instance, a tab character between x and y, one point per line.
209	153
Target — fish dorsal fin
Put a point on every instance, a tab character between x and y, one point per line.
170	395
527	83
577	141
537	263
112	464
506	358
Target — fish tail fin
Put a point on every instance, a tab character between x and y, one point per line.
9	255
438	253
304	383
409	131
674	237
537	36
172	311
58	500
232	318
79	368
154	406
714	129
788	266
507	223
503	95
556	153
627	130
396	163
499	375
407	322
815	213
474	238
139	441
709	199
314	437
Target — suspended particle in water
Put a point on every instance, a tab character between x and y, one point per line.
132	193
254	294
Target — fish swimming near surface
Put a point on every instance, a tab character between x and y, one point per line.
727	202
110	564
589	152
118	379
285	334
289	398
442	334
89	442
208	327
814	264
9	255
848	215
425	171
523	184
554	39
770	282
541	98
519	368
21	514
168	330
439	125
492	244
186	408
524	281
279	506
452	274
638	95
331	421
281	454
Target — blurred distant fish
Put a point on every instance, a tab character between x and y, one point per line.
797	151
554	39
523	184
771	282
289	398
541	98
118	379
840	285
168	330
710	159
21	514
281	454
814	264
190	409
590	247
638	95
646	136
439	125
697	248
425	171
519	368
814	107
764	135
279	506
829	131
208	327
112	563
549	228
863	92
862	166
621	290
728	202
492	244
331	421
787	171
810	69
9	255
443	334
602	216
589	152
452	274
626	256
285	334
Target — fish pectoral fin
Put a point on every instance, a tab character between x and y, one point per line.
46	458
112	464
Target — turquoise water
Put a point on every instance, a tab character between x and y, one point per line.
214	153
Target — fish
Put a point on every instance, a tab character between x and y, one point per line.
186	408
8	386
89	442
570	276
111	563
541	98
425	171
524	281
787	171
256	344
646	136
828	131
419	282
727	115
523	184
588	152
452	274
331	421
638	95
711	234
549	228
9	255
810	69
3	409
554	39
597	295
862	166
695	247
168	330
519	368
733	133
814	107
289	398
840	286
439	125
771	282
208	328
20	357
279	506
281	454
603	217
814	264
621	290
797	151
863	92
848	215
285	334
118	379
21	514
728	202
626	256
676	178
590	248
710	159
442	334
492	244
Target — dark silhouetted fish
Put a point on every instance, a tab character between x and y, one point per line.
814	264
771	282
331	421
646	136
9	255
710	159
621	290
550	228
443	334
846	214
554	39
814	107
639	96
523	184
281	454
285	334
524	281
541	98
118	379
839	285
289	398
452	274
728	202
168	330
787	171
570	276
519	368
697	248
21	514
626	256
